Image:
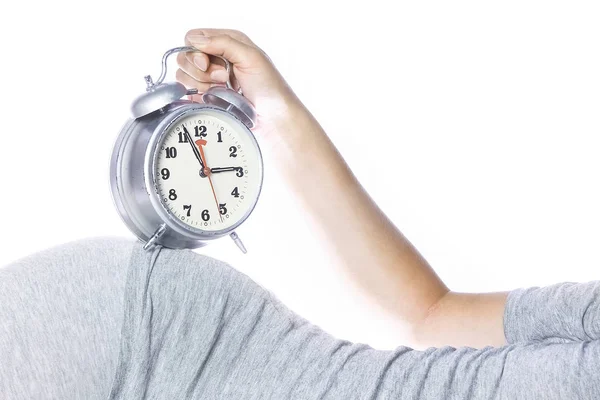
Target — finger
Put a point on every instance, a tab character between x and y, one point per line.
240	36
240	54
214	73
199	59
197	98
211	60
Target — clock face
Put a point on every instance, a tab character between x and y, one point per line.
212	182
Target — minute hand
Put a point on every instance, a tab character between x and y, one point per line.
196	152
224	169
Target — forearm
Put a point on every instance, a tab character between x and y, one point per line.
369	248
384	264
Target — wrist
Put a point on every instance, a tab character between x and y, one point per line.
288	126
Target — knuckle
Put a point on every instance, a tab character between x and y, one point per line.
240	34
225	38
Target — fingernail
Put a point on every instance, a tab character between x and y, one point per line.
200	62
199	40
219	75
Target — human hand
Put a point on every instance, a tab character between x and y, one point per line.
261	82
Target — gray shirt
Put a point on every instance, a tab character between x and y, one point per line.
100	318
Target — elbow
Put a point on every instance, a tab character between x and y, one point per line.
424	332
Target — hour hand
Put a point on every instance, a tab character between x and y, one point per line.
224	169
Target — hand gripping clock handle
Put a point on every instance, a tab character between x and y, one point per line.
163	72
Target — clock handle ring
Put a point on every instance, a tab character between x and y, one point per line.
163	72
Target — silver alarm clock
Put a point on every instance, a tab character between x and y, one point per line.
183	173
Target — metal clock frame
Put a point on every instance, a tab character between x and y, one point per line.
134	185
133	180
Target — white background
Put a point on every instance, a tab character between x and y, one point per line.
474	125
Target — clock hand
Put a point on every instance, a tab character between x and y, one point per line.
200	144
224	169
196	153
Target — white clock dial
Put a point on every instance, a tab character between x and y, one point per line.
233	165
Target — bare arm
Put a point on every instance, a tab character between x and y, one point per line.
378	257
368	246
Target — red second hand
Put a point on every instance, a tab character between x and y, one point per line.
200	143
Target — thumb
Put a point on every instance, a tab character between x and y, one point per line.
236	52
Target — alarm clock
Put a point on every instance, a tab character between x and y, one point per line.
183	173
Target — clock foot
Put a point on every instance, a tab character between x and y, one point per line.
238	242
159	232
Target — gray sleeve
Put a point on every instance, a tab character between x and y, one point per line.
559	313
102	318
207	331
